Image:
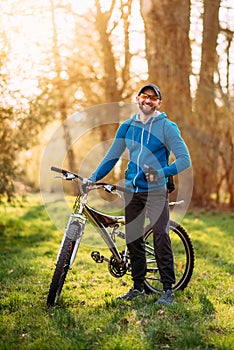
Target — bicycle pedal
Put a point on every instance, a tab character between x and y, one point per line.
97	257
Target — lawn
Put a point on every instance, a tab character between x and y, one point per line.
88	316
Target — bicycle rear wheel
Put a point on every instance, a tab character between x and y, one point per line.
63	264
183	253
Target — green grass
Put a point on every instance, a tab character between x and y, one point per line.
88	315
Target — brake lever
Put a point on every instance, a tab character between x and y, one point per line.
67	177
70	176
110	188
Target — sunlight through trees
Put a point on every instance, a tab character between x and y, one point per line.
60	57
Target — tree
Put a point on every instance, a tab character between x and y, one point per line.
19	131
64	69
7	156
61	87
168	47
168	53
206	138
213	149
87	60
108	78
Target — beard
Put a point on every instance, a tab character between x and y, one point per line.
146	108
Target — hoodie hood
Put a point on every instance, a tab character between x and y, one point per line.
135	121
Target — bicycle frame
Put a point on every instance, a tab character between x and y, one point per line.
82	212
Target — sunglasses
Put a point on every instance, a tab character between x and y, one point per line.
152	98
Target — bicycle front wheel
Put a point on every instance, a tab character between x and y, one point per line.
183	253
63	264
60	272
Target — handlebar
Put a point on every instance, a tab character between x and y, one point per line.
69	175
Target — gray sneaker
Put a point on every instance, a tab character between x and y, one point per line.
167	298
131	294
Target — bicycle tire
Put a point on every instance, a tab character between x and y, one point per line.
183	253
62	265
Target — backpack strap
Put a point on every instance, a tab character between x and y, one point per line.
170	180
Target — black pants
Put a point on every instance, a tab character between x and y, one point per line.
154	205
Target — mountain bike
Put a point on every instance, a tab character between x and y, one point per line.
111	229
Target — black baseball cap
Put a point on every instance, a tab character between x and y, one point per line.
151	86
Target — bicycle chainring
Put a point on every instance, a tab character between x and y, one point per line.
116	269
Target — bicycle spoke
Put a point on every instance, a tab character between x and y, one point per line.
183	259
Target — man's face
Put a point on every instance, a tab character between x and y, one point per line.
148	101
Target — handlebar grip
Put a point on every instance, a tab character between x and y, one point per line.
57	170
66	173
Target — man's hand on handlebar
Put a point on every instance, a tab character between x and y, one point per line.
88	184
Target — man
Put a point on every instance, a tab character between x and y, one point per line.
149	137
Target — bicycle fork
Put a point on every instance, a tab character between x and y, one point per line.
74	235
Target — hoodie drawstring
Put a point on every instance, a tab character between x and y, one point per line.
149	132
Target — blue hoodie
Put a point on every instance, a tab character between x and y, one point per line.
148	144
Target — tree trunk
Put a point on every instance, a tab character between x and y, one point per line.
61	102
112	92
110	74
168	53
206	139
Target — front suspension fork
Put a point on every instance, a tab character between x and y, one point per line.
77	238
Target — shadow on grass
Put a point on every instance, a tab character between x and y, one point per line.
139	324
